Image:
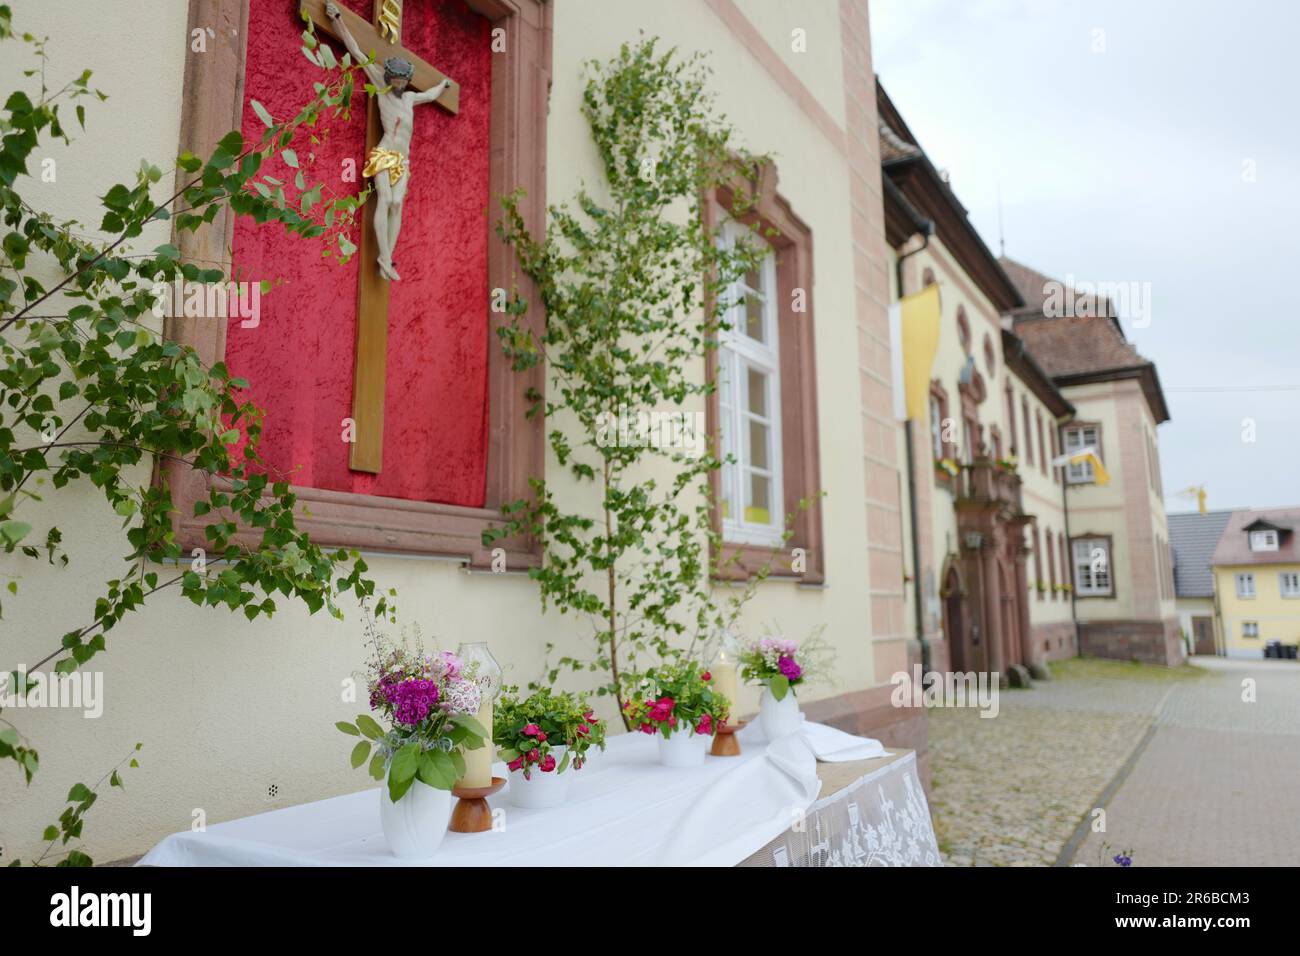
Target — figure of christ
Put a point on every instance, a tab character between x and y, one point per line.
389	163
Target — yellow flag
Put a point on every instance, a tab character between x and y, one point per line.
920	320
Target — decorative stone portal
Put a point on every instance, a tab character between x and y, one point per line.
988	621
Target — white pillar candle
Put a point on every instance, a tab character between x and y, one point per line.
478	762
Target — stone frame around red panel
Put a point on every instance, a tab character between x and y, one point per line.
212	105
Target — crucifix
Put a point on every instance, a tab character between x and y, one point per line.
403	81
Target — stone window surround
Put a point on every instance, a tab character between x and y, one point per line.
1112	577
791	239
212	104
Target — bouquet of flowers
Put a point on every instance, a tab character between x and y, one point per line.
526	731
675	697
429	702
782	663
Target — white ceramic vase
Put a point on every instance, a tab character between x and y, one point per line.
542	790
778	717
415	825
684	748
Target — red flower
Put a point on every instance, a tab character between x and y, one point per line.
534	756
706	677
516	763
548	764
531	730
662	709
705	726
583	730
541	738
647	728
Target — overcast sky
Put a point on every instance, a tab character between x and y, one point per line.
1123	137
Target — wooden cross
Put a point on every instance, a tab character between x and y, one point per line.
383	39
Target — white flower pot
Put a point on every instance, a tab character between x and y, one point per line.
778	717
684	748
415	825
542	790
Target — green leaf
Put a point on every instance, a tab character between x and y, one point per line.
262	113
347	728
359	753
779	686
405	762
472	725
377	766
290	158
51	833
368	727
14	531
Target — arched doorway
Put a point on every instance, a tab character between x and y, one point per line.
954	623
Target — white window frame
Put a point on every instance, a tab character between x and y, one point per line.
1250	630
1245	585
1076	439
736	351
1265	540
1086	583
1288	582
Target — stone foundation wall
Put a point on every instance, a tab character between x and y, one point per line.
1054	641
1155	642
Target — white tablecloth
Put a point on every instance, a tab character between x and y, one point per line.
623	808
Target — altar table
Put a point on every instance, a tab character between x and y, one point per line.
760	808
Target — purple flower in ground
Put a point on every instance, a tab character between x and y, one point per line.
413	699
1123	859
789	669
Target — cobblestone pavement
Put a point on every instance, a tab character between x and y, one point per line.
1010	790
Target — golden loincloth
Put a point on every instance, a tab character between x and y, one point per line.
381	159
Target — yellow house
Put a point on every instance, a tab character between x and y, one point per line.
1257	581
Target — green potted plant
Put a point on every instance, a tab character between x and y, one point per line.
677	701
544	738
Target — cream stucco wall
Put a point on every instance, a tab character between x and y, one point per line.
1130	509
227	709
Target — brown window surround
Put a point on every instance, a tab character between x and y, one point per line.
212	105
1051	564
950	447
1056	451
1011	419
1077	426
972	395
1113	593
963	330
1067	574
800	451
1038	561
1029	434
995	441
1042	446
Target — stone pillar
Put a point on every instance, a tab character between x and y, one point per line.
1022	605
992	601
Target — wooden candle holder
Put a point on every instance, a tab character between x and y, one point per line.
472	813
725	743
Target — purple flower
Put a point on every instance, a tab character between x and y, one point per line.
1123	860
789	669
413	698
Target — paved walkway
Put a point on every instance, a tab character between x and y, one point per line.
1218	782
1187	771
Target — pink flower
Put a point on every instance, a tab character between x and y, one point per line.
583	730
647	728
548	764
705	726
516	763
531	730
706	677
662	709
534	756
541	738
